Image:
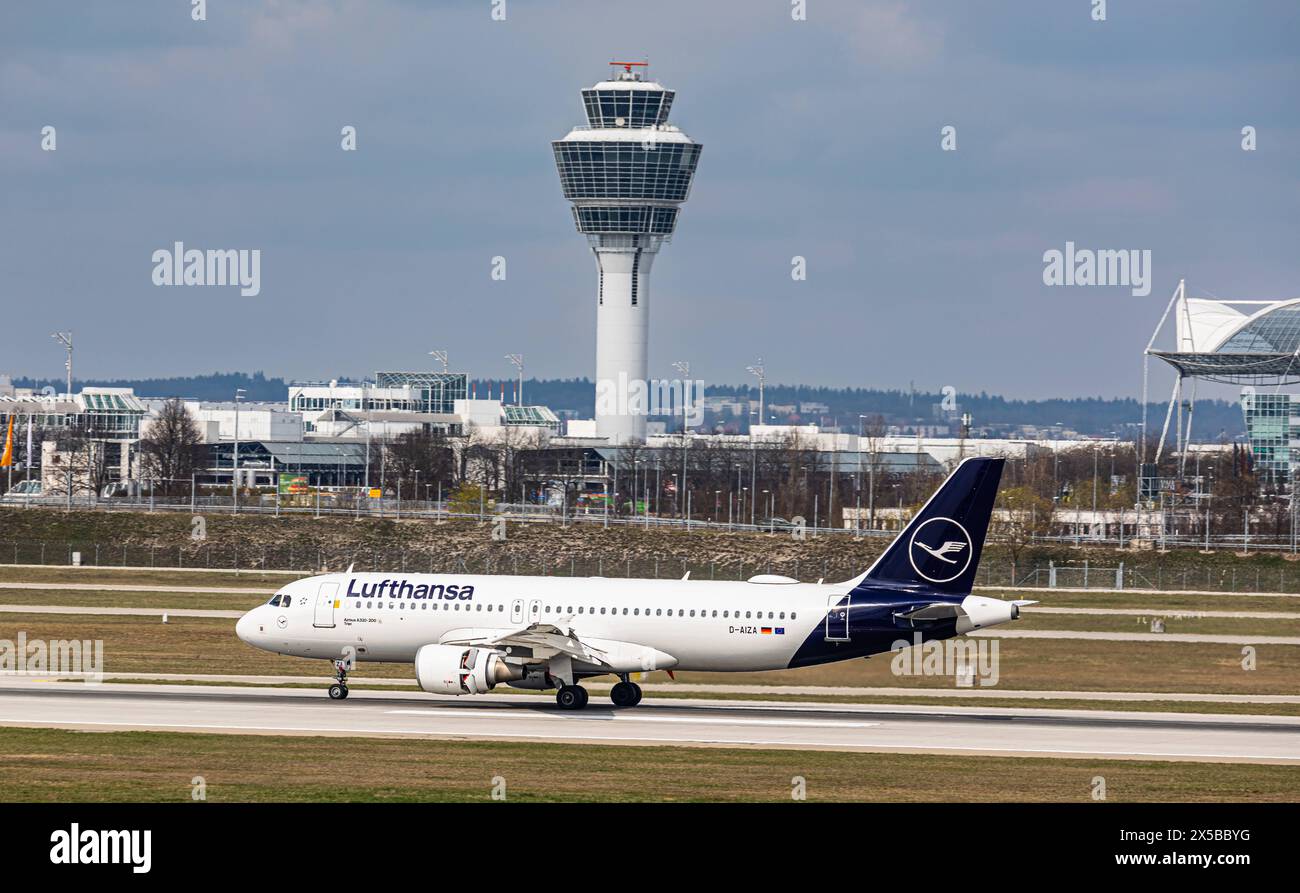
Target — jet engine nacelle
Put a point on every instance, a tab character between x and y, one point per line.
461	670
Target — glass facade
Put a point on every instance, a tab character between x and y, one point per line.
602	170
438	391
1274	332
627	107
1271	426
625	219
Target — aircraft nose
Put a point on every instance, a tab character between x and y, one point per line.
246	627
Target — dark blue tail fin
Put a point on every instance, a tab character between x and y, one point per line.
940	549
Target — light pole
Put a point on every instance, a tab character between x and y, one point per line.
517	360
65	338
366	413
441	357
758	371
684	368
234	476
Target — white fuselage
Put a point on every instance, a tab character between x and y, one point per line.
703	625
673	624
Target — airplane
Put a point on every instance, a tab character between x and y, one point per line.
465	634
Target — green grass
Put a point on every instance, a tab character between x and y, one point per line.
54	765
252	580
1134	598
72	598
1128	623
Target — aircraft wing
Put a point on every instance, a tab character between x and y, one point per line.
545	642
540	641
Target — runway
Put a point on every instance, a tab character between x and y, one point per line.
942	730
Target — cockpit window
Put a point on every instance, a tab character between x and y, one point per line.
281	599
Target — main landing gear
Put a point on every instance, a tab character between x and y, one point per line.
339	690
571	697
625	694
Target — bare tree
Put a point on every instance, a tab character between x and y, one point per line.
171	450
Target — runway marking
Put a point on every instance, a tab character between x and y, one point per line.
667	741
514	714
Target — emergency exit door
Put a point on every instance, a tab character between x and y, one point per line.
837	618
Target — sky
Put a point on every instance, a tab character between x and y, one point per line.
822	140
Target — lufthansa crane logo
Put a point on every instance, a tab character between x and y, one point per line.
940	550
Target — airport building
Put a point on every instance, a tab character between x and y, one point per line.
97	427
627	172
1254	345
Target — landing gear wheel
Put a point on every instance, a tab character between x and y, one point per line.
571	697
339	690
625	694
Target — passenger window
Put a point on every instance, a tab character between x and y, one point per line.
658	611
793	615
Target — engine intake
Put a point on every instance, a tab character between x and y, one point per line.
461	670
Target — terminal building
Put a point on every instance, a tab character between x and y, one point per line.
1250	344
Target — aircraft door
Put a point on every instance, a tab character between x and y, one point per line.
517	611
326	602
837	618
534	610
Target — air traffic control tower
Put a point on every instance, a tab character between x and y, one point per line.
627	172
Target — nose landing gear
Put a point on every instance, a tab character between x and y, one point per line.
339	690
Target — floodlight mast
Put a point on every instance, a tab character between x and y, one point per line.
65	338
517	360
